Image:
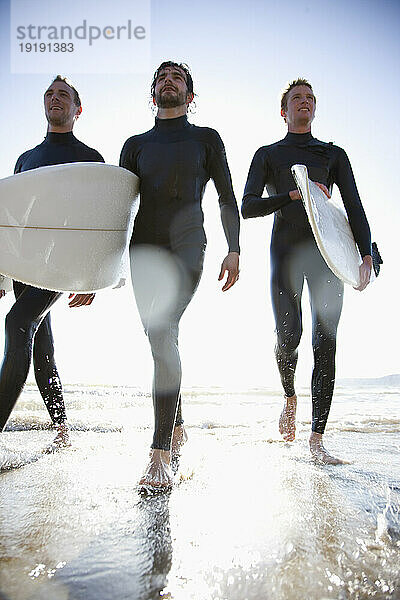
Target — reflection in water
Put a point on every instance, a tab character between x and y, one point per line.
76	531
252	518
132	561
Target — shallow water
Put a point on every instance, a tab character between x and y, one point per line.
251	518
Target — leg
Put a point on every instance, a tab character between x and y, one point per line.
49	382
46	373
286	290
21	325
162	295
179	435
326	297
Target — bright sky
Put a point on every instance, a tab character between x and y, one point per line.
242	55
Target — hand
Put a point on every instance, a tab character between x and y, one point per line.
120	283
295	195
323	188
230	264
2	293
365	273
80	300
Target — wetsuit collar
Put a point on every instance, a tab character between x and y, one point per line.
298	138
171	124
59	138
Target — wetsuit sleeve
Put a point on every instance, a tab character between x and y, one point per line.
127	158
97	157
253	205
18	164
220	174
344	179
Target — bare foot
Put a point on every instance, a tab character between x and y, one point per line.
179	438
61	440
158	476
287	420
321	455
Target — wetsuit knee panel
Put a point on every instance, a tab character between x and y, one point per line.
288	341
18	326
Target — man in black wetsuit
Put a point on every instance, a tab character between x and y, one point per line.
295	256
174	161
28	322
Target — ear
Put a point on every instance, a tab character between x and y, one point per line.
78	112
189	98
283	114
154	101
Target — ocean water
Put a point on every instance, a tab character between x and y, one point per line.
250	517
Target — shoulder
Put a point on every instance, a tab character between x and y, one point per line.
137	140
270	148
208	136
263	152
24	156
91	153
330	146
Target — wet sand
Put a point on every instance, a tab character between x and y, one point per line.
250	517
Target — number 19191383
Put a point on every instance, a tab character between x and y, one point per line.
46	47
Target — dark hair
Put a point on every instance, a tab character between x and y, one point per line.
77	100
170	63
293	84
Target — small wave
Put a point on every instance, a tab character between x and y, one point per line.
369	426
12	459
27	423
388	525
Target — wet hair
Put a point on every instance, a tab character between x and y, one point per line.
293	84
169	63
77	100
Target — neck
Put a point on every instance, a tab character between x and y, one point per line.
172	113
67	128
299	128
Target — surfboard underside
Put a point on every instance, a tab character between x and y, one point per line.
65	227
331	229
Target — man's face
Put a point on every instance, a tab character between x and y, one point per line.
171	90
300	106
59	106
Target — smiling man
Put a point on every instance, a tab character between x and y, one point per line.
28	322
295	256
174	161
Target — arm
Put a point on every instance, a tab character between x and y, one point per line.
344	178
98	157
220	174
127	158
253	205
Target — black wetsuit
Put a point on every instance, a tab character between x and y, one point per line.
295	256
29	319
174	161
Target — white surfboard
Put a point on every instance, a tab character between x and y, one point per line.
65	227
330	227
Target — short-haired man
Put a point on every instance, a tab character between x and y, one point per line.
174	161
28	322
295	256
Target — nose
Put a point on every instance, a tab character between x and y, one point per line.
55	98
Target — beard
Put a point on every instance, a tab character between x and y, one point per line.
170	100
57	120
